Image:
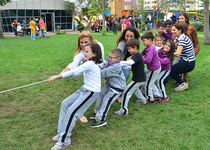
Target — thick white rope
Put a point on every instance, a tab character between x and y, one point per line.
23	86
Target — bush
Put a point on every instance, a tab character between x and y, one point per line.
198	26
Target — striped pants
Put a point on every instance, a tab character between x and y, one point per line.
72	109
160	82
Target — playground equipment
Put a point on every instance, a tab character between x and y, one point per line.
153	18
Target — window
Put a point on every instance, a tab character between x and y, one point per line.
9	21
36	12
69	26
43	10
13	13
29	13
63	13
63	19
50	10
57	13
69	19
2	14
63	26
21	12
4	21
57	20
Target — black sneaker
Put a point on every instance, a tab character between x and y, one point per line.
93	116
97	124
157	98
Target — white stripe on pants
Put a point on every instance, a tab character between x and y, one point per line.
104	101
72	109
150	87
127	93
160	82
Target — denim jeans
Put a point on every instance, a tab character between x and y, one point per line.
43	33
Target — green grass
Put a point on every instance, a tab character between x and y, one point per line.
29	116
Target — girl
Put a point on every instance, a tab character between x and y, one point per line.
123	23
186	52
158	41
33	28
165	57
83	39
75	105
126	35
42	26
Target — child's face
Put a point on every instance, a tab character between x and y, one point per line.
147	42
113	58
132	50
83	42
129	35
160	30
159	42
167	47
88	53
168	28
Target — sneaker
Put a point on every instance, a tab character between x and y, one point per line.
56	138
93	116
139	102
181	87
60	145
153	101
120	113
157	98
83	119
160	100
97	124
165	99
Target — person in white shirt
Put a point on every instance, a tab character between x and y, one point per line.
84	38
75	105
19	29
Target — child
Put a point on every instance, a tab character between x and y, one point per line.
45	33
168	25
150	58
75	105
160	28
159	40
116	83
165	57
19	29
136	64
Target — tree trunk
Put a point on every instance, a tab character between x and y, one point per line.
103	15
1	31
206	21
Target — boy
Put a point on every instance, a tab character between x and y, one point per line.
136	64
151	58
168	25
116	83
160	28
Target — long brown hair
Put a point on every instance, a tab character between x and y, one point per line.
186	17
83	35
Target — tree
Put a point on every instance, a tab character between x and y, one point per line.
2	3
98	8
206	22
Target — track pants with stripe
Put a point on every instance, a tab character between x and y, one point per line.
72	109
150	87
131	88
104	101
160	82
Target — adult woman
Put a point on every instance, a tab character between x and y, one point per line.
183	17
127	34
185	51
14	25
42	26
33	28
173	18
83	39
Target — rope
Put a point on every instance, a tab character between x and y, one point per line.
23	86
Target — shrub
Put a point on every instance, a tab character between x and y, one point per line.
198	26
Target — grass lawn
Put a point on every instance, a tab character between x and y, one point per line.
29	116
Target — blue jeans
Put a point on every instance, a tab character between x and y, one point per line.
15	31
126	74
43	33
33	36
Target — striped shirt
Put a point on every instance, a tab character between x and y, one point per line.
188	53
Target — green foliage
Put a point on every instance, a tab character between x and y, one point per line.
96	7
4	2
80	26
103	31
119	28
68	7
57	29
198	26
92	27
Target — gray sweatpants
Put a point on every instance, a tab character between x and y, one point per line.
150	87
131	88
104	101
160	82
72	109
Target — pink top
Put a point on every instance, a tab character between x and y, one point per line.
41	24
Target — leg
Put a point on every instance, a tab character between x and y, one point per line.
161	77
43	34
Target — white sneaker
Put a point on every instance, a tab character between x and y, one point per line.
60	145
56	138
181	87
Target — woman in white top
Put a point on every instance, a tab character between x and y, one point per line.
84	38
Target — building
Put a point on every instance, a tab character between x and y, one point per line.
52	11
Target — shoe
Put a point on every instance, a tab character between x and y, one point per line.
160	100
165	99
60	145
181	87
176	84
97	124
93	116
153	101
56	138
157	98
120	113
47	36
83	119
139	102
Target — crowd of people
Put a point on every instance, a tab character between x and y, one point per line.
172	40
32	28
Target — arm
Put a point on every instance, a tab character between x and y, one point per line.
165	60
126	63
178	52
110	71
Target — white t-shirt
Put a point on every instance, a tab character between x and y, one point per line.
18	28
92	75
